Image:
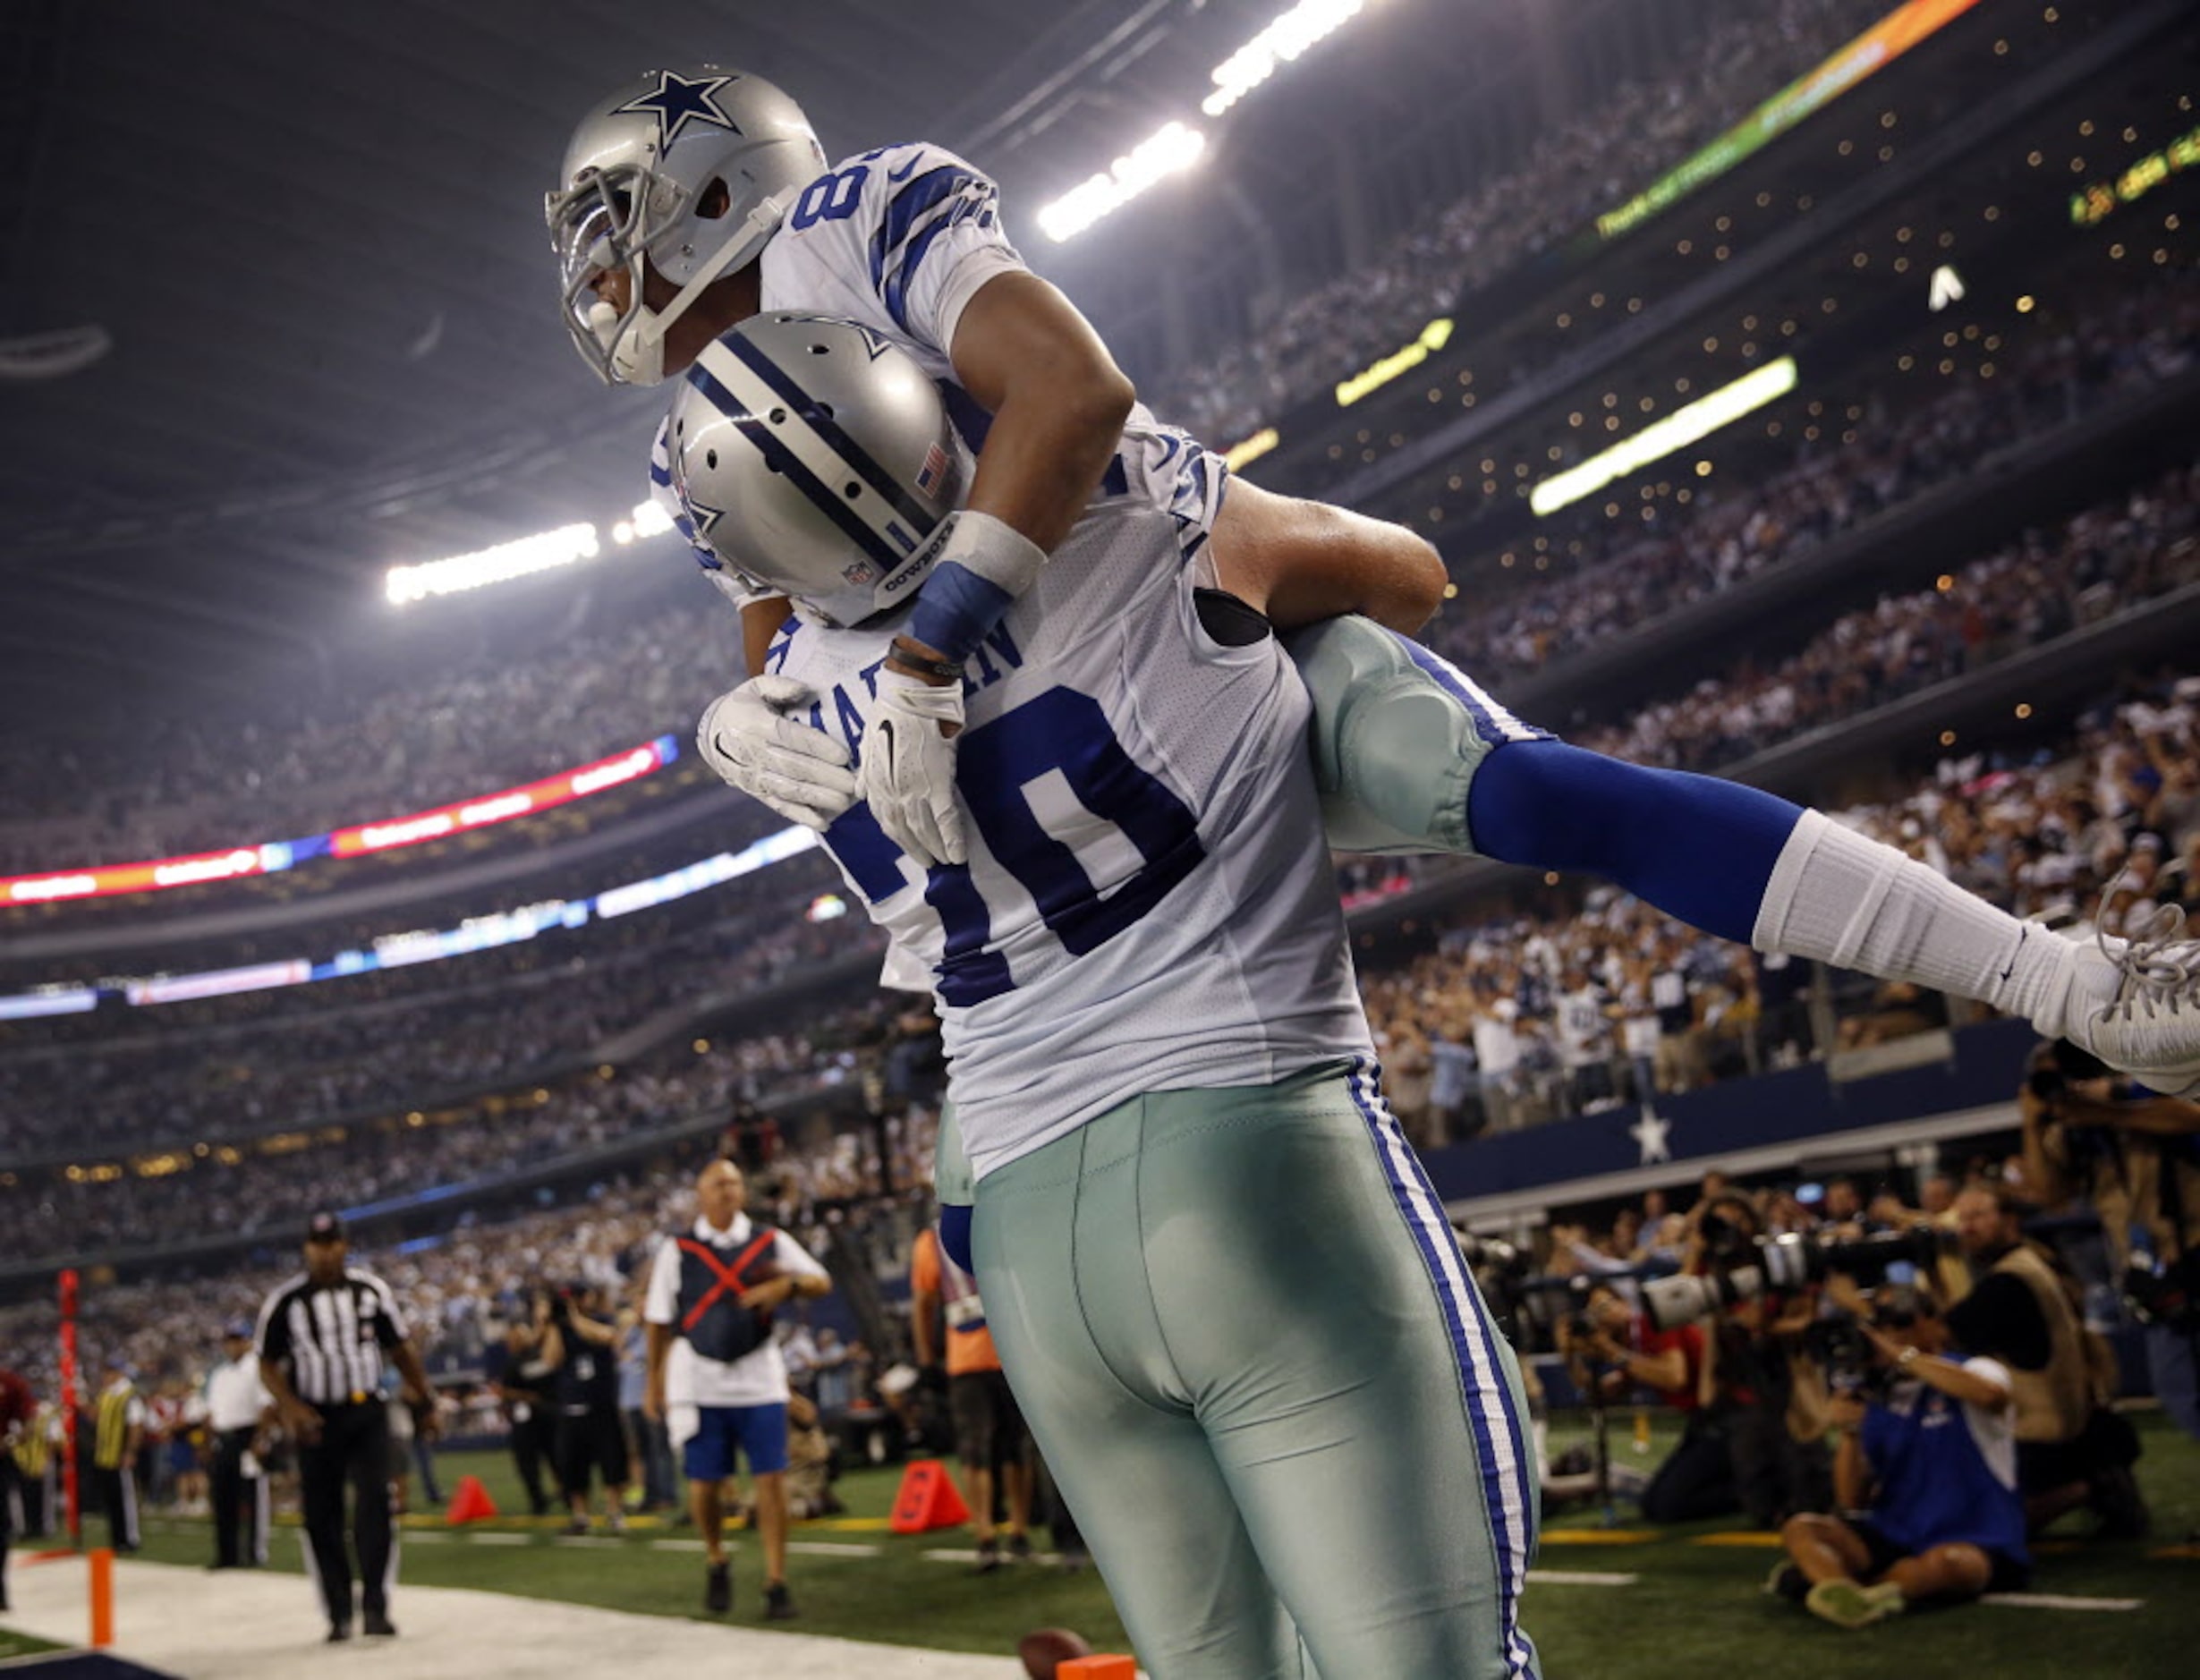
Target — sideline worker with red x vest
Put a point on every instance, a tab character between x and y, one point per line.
716	1376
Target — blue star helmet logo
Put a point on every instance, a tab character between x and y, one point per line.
705	517
676	102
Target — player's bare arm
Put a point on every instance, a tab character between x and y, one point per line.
1057	400
1301	562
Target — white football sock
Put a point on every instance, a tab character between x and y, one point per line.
1840	897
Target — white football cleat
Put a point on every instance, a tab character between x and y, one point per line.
2149	1026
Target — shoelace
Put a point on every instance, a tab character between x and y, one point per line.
2159	965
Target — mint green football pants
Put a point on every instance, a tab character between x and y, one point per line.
1237	1324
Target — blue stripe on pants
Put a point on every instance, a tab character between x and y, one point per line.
1507	1468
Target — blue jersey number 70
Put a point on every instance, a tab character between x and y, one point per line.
1000	764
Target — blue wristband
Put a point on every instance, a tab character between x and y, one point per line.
984	567
955	608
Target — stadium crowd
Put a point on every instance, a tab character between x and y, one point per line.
521	719
181	788
1596	997
1624	576
460	1288
239	1067
2105	561
1522	1012
182	785
1575	171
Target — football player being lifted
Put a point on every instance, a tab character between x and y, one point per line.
692	200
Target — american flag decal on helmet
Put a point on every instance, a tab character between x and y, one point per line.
933	475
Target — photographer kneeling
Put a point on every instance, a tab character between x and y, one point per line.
1929	1469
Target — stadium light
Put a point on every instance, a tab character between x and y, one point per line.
1169	150
1248	450
514	559
648	520
1403	361
1176	146
1282	40
1677	431
520	557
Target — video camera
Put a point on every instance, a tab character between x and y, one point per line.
1520	1297
1744	1265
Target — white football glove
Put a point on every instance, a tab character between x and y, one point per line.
907	772
751	739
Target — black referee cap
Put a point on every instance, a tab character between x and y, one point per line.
325	1228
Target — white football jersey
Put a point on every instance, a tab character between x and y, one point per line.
1149	902
898	240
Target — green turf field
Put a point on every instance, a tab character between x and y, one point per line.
14	1645
1694	1607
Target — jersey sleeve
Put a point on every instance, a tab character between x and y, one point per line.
389	1322
663	1303
899	240
1176	472
795	1260
1991	1370
938	239
273	1340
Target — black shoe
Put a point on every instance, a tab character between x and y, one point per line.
377	1625
338	1632
577	1526
1019	1549
1076	1561
718	1589
777	1606
989	1556
218	1564
2120	1507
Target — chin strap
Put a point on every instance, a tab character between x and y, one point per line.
638	358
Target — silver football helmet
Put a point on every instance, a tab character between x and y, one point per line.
638	178
815	460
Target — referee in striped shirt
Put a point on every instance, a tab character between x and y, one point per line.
322	1338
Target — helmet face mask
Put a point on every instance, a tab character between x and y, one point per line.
604	223
636	197
813	460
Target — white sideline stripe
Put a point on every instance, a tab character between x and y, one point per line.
1579	1578
588	1539
682	1545
834	1548
970	1557
2058	1601
246	1624
494	1537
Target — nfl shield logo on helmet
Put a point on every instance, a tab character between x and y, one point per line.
860	573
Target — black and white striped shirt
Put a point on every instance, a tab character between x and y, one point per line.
332	1336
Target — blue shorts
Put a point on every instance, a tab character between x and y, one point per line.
759	1431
